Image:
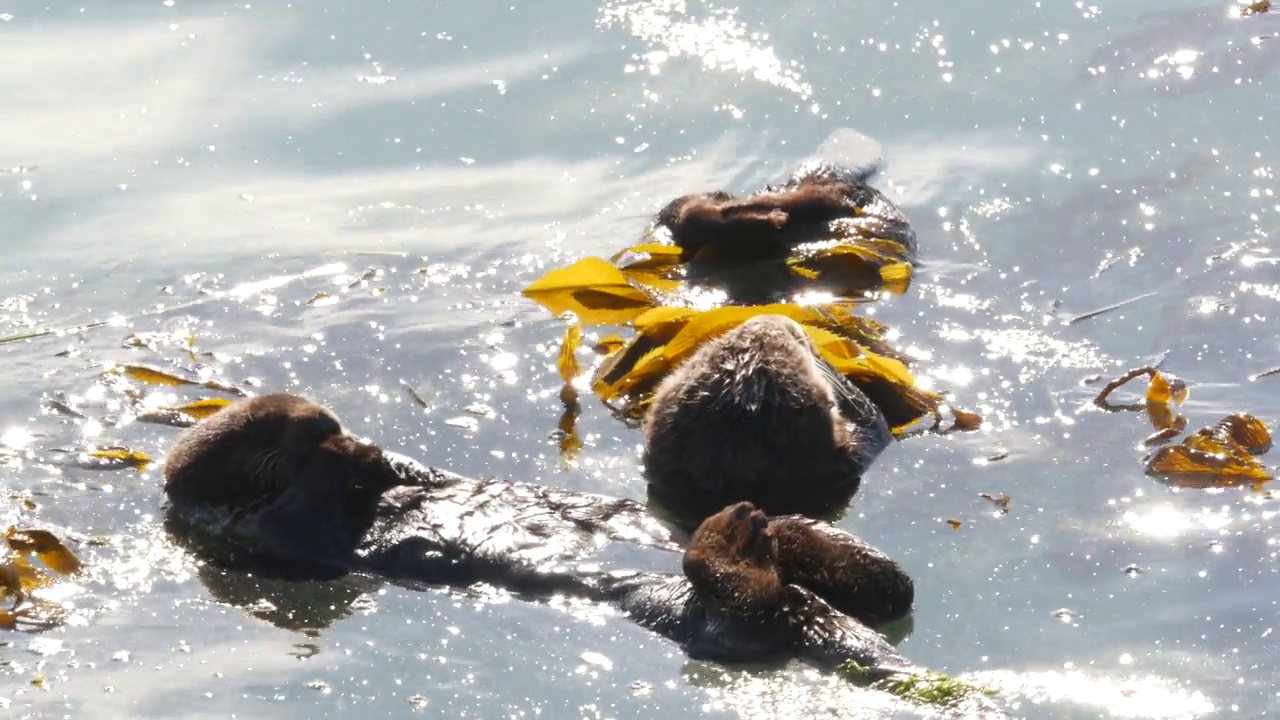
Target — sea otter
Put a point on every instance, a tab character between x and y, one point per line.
717	226
735	585
276	481
758	415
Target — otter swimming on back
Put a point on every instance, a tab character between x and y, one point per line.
277	479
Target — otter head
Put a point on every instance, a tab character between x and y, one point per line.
758	415
693	220
251	453
731	561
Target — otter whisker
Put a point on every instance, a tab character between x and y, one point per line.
263	478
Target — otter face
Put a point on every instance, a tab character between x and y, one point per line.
254	451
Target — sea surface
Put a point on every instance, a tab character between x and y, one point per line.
345	198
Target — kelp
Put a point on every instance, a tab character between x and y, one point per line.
667	336
1221	455
1001	503
1255	8
1164	394
150	375
186	415
594	290
851	269
112	457
30	560
660	288
569	368
647	276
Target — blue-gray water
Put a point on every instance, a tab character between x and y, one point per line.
163	158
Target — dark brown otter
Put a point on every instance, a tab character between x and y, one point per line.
758	415
276	482
718	226
736	583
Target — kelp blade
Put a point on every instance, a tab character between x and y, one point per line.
567	360
852	269
152	376
650	257
203	408
1204	462
56	556
1166	389
591	288
1244	430
668	336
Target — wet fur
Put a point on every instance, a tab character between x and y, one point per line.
715	226
757	415
265	478
736	584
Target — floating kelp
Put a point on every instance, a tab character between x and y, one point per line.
567	364
1221	455
184	415
1217	456
851	269
712	260
1254	8
31	560
647	276
1001	503
1163	388
149	375
1164	394
1265	373
594	290
106	458
667	336
823	230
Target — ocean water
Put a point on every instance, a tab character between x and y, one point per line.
207	169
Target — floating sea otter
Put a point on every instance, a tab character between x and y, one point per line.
720	227
758	415
277	481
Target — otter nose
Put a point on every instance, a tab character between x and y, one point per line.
352	447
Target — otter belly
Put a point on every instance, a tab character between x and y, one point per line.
445	529
806	628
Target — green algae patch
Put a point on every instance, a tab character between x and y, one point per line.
928	687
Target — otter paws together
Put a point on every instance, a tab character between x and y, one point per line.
278	480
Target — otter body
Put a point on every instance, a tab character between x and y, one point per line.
739	582
758	415
277	478
714	226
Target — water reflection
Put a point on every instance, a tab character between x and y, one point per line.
705	31
302	176
1192	51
